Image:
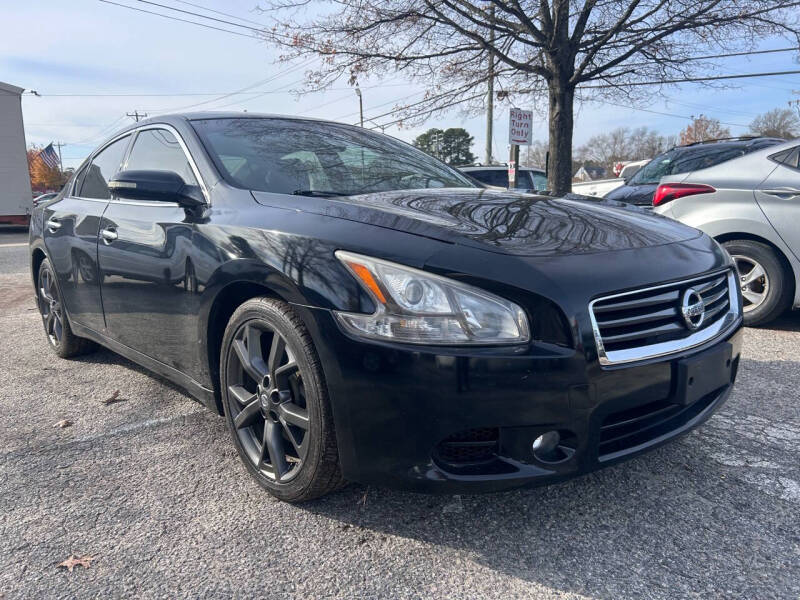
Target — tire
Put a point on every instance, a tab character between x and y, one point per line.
765	283
56	323
278	414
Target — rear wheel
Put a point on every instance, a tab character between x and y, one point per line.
56	324
276	403
766	292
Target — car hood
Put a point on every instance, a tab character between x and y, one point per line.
641	195
500	221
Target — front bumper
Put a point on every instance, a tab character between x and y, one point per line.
463	420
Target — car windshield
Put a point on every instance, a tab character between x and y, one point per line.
684	160
292	156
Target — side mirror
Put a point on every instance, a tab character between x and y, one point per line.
163	186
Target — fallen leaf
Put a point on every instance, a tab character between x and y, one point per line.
113	398
63	423
73	561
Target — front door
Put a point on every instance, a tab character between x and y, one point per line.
150	292
71	227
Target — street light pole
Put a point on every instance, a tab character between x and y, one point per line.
360	105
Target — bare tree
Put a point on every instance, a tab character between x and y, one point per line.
535	155
559	49
703	129
623	144
779	122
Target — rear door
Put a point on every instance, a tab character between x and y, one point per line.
71	230
779	197
149	262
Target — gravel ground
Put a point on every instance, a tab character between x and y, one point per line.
151	488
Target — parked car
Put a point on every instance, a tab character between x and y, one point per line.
602	187
528	178
751	205
684	159
360	311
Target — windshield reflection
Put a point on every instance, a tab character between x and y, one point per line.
305	157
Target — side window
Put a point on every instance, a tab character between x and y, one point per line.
538	180
495	177
159	150
93	180
78	181
789	158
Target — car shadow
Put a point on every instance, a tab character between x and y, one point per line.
789	321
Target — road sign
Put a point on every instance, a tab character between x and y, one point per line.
519	127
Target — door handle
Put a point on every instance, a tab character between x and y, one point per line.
783	192
109	235
53	225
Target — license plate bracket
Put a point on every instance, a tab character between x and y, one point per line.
703	373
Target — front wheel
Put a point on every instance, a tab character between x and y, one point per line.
276	403
766	289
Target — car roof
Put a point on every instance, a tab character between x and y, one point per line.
180	118
744	141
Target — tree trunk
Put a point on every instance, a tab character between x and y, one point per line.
559	174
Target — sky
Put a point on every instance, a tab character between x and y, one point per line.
92	62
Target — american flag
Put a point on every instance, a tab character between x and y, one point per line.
49	156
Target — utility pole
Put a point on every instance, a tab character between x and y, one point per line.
490	91
360	105
137	115
60	163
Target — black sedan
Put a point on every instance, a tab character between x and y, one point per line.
359	311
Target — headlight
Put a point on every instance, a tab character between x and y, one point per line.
419	308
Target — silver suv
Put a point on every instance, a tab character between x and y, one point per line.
751	205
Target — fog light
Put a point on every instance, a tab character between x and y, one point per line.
546	443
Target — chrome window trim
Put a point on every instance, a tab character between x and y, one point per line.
718	328
189	157
134	133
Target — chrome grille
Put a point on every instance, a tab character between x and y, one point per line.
650	322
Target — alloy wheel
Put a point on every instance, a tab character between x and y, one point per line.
50	307
753	280
267	401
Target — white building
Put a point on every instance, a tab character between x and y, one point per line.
15	183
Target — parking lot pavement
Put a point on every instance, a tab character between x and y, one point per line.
151	488
13	250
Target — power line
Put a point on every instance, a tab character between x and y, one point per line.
688	80
197	94
218	12
194	14
253	30
244	89
150	12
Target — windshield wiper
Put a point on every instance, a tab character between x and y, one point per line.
320	193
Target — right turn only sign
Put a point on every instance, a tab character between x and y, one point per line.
519	127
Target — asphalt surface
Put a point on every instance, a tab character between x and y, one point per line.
151	487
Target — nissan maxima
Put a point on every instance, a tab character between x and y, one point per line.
358	311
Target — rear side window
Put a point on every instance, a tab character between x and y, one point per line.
159	150
789	158
93	180
685	160
495	177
